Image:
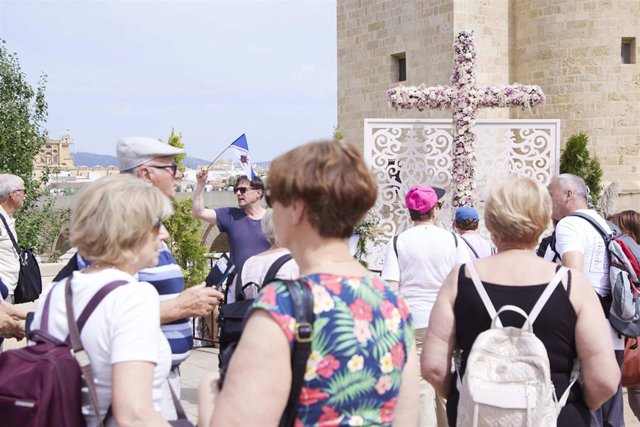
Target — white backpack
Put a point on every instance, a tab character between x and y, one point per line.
507	381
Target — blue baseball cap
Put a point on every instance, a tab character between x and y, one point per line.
466	212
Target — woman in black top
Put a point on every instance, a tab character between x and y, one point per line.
570	324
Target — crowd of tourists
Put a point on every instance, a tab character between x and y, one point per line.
458	329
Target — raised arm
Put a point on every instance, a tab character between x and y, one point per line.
197	205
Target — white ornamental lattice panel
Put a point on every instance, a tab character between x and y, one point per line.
405	152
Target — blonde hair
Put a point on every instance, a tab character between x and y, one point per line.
267	226
114	216
518	210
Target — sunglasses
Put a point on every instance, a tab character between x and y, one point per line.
243	190
173	168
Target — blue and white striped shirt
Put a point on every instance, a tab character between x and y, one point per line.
168	280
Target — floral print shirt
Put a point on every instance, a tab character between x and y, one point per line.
361	335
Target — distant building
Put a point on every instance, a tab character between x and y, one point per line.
55	154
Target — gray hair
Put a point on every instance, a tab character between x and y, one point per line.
574	183
9	183
267	226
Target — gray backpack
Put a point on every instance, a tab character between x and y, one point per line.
623	254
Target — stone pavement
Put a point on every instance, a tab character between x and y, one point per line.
202	360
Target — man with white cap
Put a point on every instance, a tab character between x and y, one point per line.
417	261
154	162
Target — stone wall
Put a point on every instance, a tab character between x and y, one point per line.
570	48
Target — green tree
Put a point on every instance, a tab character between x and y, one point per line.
576	160
185	232
23	113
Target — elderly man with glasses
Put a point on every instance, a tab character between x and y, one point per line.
242	224
12	196
155	162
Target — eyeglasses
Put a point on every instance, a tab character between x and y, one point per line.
23	191
172	167
243	190
157	225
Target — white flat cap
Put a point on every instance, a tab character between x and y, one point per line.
136	150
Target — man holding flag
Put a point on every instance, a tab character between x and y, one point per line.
242	224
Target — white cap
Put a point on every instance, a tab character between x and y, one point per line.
134	151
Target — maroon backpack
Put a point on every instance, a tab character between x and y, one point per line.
40	385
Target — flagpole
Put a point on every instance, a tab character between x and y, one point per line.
219	155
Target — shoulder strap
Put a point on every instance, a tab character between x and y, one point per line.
605	235
470	247
275	268
302	301
455	238
546	294
484	296
74	337
395	244
11	236
238	286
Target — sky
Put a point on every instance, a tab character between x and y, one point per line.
211	70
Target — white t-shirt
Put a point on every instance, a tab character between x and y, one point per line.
426	255
575	234
255	269
124	327
9	262
482	247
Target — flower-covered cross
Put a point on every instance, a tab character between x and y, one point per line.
464	98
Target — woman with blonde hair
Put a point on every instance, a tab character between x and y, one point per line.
571	323
117	225
363	366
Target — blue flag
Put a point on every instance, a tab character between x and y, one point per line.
242	153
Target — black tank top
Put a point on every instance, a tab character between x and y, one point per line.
555	327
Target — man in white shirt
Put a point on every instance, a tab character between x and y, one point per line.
579	245
416	262
12	195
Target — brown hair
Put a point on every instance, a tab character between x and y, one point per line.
332	180
628	222
468	224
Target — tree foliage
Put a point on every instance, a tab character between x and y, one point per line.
576	160
185	232
23	113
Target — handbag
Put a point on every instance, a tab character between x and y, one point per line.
29	285
631	364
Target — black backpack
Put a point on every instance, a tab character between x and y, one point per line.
302	302
231	318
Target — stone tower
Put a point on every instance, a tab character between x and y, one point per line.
582	53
